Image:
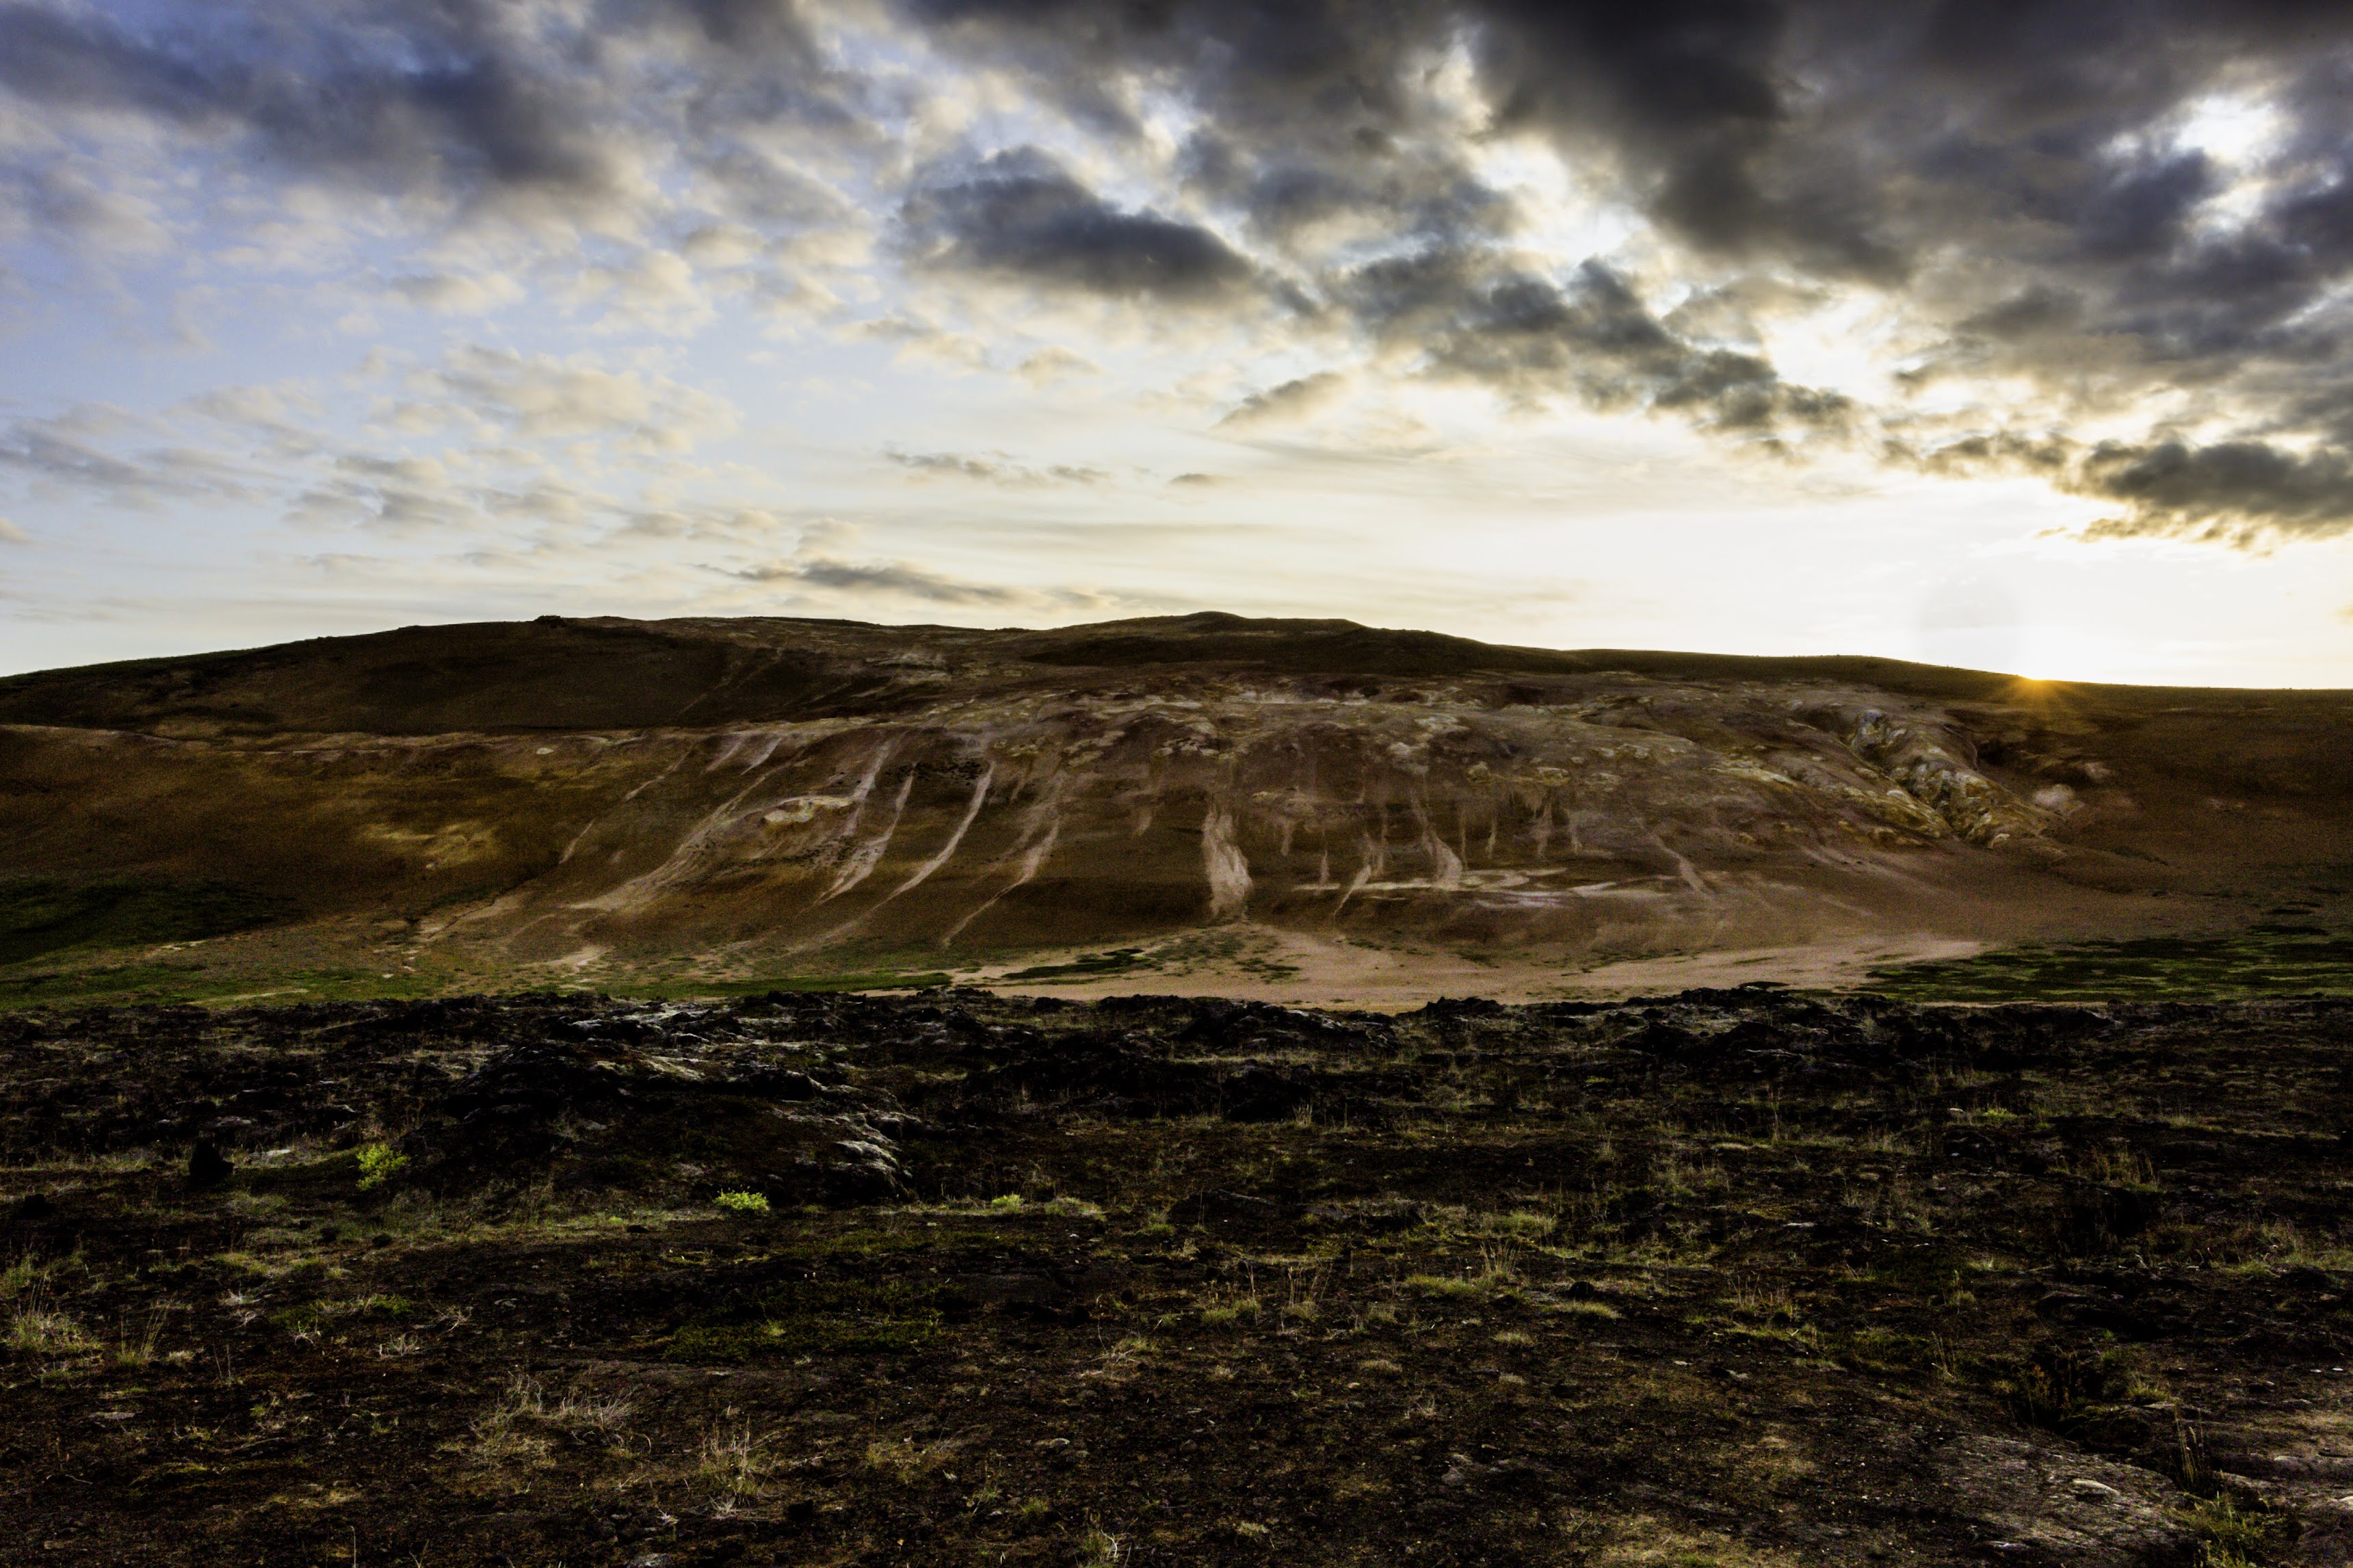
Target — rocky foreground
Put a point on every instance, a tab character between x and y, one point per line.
1731	1278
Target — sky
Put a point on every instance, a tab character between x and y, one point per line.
2001	332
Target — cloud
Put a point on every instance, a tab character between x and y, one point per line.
1286	403
122	460
1052	364
11	534
67	199
1590	334
2250	494
2245	492
879	577
916	339
1017	215
430	94
497	452
2010	219
993	468
455	294
539	396
2025	186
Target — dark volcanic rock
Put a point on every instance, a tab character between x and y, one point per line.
208	1167
1735	1277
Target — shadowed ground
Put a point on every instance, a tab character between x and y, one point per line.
1727	1278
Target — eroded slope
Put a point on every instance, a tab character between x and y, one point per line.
767	792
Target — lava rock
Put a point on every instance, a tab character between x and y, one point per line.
207	1166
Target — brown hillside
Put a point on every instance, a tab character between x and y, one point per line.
599	794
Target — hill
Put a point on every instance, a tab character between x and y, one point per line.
1313	808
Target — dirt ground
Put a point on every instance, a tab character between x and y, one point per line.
1303	969
1735	1278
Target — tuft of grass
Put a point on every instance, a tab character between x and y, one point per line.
1465	1286
311	1316
37	1331
2235	1534
22	1276
517	1428
137	1350
1098	1548
733	1464
743	1202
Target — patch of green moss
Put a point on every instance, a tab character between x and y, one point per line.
2265	961
1088	966
49	914
198	983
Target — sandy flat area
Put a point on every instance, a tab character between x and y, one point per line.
1329	973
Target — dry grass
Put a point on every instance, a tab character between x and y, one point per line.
1642	1542
2115	1167
904	1461
733	1463
1491	1280
1758	1296
1098	1548
519	1430
137	1348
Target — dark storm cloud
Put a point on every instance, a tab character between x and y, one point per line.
2013	176
469	98
1531	337
409	94
2013	169
2237	491
1018	216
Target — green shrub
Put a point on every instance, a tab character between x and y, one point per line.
379	1162
743	1203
